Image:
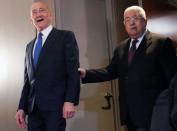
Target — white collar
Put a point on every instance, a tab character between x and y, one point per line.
46	31
139	39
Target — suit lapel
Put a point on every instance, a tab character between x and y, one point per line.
123	52
31	53
29	58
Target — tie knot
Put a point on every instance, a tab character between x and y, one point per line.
134	42
40	34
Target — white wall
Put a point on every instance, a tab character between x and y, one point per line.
87	19
15	31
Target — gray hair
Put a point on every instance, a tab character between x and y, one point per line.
136	8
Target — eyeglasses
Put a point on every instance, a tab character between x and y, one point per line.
128	20
41	10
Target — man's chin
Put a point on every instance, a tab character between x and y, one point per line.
40	27
134	35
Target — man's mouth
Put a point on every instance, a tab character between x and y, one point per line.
133	28
39	20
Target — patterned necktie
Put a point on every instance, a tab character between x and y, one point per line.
132	51
38	48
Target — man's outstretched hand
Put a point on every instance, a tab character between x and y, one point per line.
82	72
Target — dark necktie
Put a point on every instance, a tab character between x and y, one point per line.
132	51
38	48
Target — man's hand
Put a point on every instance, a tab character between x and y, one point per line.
20	119
82	72
68	110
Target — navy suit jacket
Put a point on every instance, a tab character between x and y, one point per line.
161	120
140	83
173	103
164	116
56	79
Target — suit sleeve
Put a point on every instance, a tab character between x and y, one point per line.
72	65
169	64
173	102
168	59
23	103
103	74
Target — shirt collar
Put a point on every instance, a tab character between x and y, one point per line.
139	39
46	31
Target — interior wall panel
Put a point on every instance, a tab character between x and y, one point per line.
15	31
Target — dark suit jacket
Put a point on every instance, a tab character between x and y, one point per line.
161	113
140	83
56	79
164	117
173	103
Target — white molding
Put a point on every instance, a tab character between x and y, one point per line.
58	21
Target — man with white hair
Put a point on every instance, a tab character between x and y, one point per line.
144	63
51	81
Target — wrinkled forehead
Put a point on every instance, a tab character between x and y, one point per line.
39	5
